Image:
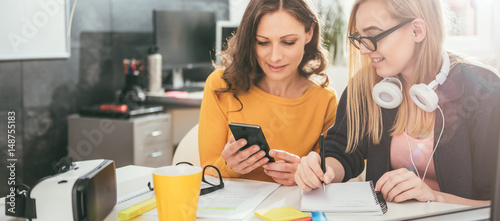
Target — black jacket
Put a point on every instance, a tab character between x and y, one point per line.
465	159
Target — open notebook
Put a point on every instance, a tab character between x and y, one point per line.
351	197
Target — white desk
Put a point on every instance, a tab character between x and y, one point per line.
290	196
131	177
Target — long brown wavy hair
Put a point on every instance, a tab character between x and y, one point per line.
240	60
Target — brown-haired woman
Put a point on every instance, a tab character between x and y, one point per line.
268	80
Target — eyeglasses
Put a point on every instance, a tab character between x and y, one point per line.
214	185
370	43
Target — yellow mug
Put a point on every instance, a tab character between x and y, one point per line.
177	189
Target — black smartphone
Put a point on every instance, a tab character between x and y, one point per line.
253	134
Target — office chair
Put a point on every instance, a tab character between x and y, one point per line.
187	150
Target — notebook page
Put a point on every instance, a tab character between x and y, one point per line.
341	197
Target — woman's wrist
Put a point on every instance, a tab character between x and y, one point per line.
438	197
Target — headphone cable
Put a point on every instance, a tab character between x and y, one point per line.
435	148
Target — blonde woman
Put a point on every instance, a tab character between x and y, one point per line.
267	80
425	120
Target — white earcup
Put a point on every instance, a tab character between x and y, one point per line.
424	97
387	93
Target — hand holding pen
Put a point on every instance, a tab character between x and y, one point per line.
312	171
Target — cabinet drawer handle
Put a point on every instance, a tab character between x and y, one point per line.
156	154
156	133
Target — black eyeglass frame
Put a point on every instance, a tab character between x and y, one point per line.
203	191
356	38
213	187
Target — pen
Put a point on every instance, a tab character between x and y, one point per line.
322	155
125	66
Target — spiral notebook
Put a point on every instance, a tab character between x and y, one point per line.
351	197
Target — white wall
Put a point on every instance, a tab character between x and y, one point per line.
236	9
496	32
338	76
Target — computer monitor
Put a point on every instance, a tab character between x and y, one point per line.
186	40
224	30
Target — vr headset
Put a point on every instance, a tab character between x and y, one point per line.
83	191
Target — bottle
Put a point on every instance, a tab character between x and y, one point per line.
155	71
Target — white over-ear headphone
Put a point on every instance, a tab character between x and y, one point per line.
388	92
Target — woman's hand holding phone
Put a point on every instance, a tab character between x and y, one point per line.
243	161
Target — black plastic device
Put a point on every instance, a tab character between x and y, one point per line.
253	134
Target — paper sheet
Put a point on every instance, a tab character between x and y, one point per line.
237	200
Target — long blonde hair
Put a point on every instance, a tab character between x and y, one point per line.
363	114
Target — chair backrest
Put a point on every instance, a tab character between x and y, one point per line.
187	150
495	202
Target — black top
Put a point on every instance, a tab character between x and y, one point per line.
465	157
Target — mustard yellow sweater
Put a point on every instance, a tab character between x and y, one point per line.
292	125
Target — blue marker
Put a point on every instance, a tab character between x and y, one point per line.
318	216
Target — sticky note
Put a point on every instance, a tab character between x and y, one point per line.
282	214
137	209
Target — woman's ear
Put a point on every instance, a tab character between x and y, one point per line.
310	33
419	28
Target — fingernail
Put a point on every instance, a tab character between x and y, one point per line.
243	142
265	166
256	149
